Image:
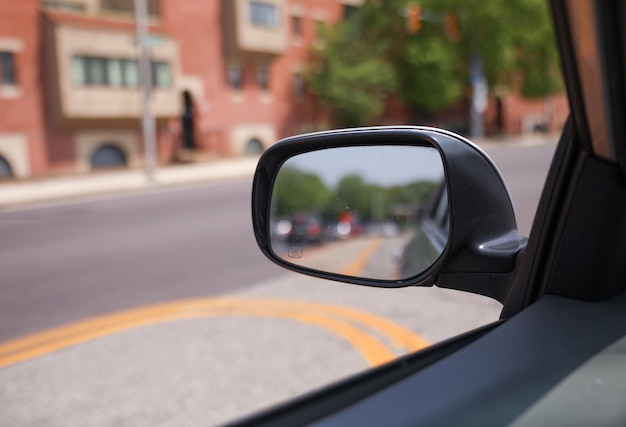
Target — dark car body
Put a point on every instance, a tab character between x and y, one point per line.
306	228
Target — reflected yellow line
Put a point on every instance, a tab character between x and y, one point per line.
351	325
355	268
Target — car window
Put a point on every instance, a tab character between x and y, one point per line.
132	288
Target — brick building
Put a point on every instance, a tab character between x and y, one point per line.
228	79
22	142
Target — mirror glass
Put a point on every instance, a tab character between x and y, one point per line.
378	212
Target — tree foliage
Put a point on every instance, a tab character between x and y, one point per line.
352	194
352	80
296	191
371	55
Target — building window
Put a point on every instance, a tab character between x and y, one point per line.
349	12
108	155
128	6
79	75
263	14
353	20
115	76
7	68
5	169
96	74
116	72
235	76
161	75
66	6
296	26
263	77
254	147
130	73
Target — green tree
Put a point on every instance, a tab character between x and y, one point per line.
372	54
351	80
515	40
298	191
352	194
414	193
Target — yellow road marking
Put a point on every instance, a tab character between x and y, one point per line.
345	323
370	348
401	337
358	264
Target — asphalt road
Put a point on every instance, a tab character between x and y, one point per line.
63	263
198	358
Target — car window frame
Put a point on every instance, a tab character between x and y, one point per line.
574	153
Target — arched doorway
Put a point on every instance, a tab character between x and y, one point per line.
254	146
188	131
108	156
5	169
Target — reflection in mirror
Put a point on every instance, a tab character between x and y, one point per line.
378	212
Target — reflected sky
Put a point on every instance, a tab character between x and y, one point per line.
382	165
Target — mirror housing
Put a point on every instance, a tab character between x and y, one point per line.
481	251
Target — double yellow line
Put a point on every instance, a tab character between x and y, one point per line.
376	339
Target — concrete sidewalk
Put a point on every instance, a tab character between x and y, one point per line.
15	193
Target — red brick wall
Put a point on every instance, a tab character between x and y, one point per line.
197	27
297	115
518	114
61	155
20	20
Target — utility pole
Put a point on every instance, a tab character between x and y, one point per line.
145	80
479	96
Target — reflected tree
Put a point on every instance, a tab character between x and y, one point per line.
351	195
298	191
377	203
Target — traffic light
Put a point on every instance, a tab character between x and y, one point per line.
451	26
413	18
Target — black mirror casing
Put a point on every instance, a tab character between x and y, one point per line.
483	243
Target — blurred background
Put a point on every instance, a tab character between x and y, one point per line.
132	291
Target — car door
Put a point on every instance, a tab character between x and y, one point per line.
556	357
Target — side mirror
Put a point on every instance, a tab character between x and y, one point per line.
387	207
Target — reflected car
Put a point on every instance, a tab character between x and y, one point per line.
305	229
339	230
280	229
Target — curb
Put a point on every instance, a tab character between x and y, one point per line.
68	187
16	193
518	140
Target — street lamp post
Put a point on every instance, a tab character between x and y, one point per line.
479	97
145	79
